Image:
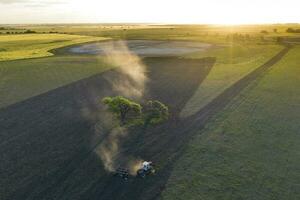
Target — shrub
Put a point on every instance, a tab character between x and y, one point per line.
155	112
264	31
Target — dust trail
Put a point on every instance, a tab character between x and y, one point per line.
131	79
130	82
133	165
109	148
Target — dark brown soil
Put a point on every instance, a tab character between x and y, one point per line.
47	142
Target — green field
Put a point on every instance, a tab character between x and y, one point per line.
23	46
24	74
235	59
233	63
251	149
22	79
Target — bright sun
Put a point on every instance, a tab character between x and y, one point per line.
229	12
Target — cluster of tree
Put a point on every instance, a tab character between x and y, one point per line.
237	37
264	32
29	32
292	30
130	113
53	32
20	32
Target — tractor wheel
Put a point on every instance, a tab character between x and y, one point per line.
141	173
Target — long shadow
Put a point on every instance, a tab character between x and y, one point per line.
172	81
47	142
43	137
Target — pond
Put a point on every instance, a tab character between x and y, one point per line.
141	47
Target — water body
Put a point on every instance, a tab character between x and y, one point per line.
142	47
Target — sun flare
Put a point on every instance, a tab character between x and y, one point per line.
229	12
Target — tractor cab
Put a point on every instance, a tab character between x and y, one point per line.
147	168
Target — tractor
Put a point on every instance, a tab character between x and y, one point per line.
122	173
147	168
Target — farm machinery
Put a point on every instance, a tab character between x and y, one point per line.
122	173
145	169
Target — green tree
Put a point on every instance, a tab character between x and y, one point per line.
123	108
155	112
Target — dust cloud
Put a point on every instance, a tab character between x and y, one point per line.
130	82
108	150
134	165
132	72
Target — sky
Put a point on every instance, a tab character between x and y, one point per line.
150	11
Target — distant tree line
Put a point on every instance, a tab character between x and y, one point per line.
7	28
17	32
292	30
237	37
28	32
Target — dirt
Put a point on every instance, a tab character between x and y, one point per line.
47	145
47	142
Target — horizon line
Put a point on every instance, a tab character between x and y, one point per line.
147	23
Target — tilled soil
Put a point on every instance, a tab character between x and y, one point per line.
47	142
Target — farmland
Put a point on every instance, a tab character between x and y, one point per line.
251	149
61	140
22	79
233	101
233	63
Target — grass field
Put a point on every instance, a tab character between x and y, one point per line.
22	79
233	63
22	76
16	85
251	149
23	46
